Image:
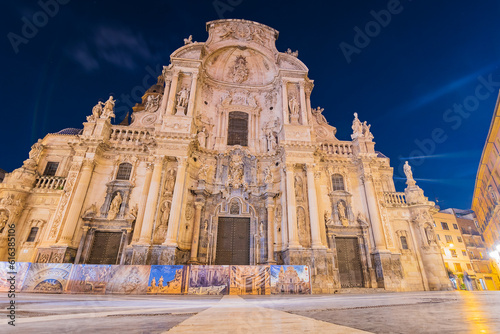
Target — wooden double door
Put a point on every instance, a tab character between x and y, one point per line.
349	262
233	241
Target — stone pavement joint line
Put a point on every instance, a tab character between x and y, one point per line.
234	315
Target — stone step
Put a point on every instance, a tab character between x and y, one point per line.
361	290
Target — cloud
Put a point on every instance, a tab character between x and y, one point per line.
119	47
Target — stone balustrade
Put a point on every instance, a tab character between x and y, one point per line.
395	198
50	182
341	148
129	135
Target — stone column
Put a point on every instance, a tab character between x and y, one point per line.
293	235
425	281
196	232
313	207
192	94
152	199
303	105
177	198
82	243
142	204
286	113
172	93
376	222
75	208
270	230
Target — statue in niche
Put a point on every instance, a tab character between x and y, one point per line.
293	105
407	171
271	141
299	187
4	218
114	208
182	97
357	127
341	208
36	150
268	176
302	225
152	103
431	235
170	182
236	172
202	137
366	131
165	213
109	106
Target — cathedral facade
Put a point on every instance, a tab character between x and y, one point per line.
225	162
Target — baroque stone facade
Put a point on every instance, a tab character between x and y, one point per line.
225	162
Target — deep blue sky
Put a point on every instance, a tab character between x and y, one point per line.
429	57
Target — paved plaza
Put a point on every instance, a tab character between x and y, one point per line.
420	312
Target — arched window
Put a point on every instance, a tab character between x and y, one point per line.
32	236
124	171
404	242
337	182
237	130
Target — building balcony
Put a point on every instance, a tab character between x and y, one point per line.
342	149
395	198
50	182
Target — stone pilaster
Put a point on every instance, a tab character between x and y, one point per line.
178	195
293	235
313	207
150	210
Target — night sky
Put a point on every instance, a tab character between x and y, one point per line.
426	77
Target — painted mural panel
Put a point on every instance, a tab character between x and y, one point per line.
18	270
168	280
128	279
89	278
290	280
47	277
250	280
209	280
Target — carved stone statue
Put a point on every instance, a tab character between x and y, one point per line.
114	208
357	127
342	212
318	113
202	137
366	131
97	111
431	235
261	229
36	150
268	176
294	53
271	141
239	71
299	187
170	182
165	213
134	211
182	97
408	172
108	111
236	172
328	217
152	103
293	105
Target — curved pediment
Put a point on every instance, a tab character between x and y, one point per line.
189	51
289	62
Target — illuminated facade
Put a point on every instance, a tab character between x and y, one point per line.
225	162
485	202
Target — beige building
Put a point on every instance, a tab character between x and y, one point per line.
464	250
225	162
485	202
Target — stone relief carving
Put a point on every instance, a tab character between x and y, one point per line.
203	172
236	172
170	181
134	211
91	211
342	211
243	32
202	137
36	151
430	234
299	188
318	114
268	176
4	218
239	70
